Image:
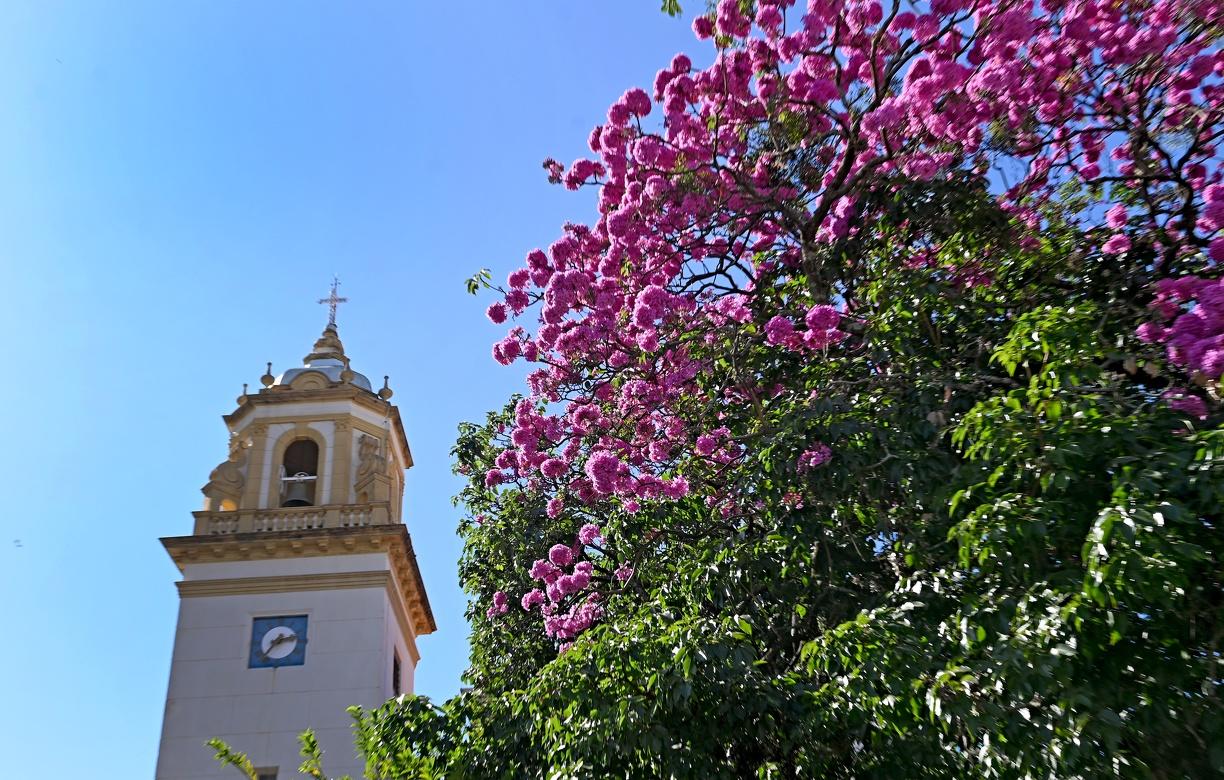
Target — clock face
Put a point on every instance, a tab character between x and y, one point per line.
278	641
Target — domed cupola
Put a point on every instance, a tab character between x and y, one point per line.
325	366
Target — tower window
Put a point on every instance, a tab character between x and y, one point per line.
396	687
265	774
299	473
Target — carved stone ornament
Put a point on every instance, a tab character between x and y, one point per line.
227	479
370	460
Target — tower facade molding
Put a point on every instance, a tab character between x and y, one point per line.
262	546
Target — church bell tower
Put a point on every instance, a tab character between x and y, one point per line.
300	593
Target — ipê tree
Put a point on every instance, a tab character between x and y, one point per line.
875	430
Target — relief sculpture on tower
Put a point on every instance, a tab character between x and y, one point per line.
372	482
224	488
369	458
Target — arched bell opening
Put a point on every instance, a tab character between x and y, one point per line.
299	473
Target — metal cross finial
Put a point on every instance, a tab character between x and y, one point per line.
333	301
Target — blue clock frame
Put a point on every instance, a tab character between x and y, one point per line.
262	625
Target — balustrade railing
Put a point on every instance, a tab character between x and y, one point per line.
298	518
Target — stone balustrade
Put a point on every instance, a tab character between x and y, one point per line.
298	518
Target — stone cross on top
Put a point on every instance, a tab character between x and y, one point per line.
333	301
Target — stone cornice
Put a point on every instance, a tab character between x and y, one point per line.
392	539
284	583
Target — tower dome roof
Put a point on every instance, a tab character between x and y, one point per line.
327	358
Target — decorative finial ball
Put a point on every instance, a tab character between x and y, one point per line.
267	379
386	391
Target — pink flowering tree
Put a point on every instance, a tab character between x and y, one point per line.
874	421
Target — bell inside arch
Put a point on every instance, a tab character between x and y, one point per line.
301	460
299	490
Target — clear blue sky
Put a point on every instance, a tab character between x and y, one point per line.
178	182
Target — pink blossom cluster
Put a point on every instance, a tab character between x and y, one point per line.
701	223
821	333
1194	340
614	297
499	607
1185	402
815	457
578	618
563	576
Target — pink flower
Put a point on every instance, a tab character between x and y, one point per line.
517	300
560	555
1150	332
568	584
507	350
731	21
637	101
497	313
678	487
1212	363
1186	403
822	317
769	18
532	598
554	507
519	278
588	533
1116	216
542	569
623	572
1117	244
779	331
815	457
499	606
603	468
619	115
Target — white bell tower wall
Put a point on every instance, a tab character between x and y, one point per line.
355	631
